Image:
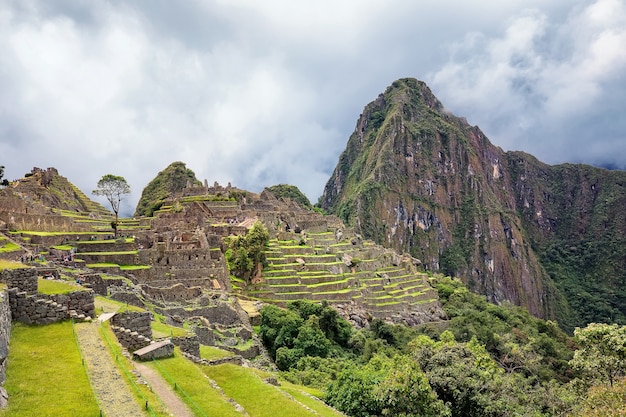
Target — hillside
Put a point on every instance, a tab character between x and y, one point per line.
172	179
418	179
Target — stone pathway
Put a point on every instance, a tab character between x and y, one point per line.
110	388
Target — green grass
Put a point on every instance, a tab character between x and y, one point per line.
106	305
258	398
8	247
58	386
102	265
134	267
303	394
4	264
165	330
191	380
47	286
211	352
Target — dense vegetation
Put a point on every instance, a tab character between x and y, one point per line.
291	192
486	360
246	254
171	180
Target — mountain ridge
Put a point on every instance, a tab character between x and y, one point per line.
418	179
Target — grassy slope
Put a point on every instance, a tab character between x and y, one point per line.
58	388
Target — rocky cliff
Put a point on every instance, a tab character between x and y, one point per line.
416	178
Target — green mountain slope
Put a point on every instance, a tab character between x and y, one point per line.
171	180
418	179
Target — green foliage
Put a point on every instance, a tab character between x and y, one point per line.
602	352
304	329
291	192
518	341
385	386
246	254
171	180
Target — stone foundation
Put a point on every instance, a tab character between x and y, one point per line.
135	322
130	340
23	279
189	345
47	309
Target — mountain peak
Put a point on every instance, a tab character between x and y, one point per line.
418	179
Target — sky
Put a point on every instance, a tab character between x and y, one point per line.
259	93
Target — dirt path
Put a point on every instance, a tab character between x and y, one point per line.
109	386
164	391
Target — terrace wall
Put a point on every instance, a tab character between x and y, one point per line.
46	309
5	335
23	279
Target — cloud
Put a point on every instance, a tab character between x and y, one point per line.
545	86
260	93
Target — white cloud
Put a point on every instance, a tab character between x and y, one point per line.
532	86
258	93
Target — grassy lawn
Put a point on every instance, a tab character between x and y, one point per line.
257	397
304	396
165	330
59	387
189	377
211	352
6	246
134	267
106	305
47	286
11	265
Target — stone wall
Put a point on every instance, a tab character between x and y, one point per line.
42	222
5	334
96	246
46	309
135	321
129	339
174	293
235	360
188	344
23	279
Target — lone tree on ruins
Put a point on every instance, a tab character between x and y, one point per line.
3	182
113	187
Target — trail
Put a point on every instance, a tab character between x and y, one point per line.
174	404
110	388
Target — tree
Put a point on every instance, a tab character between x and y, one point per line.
602	352
246	254
3	182
113	187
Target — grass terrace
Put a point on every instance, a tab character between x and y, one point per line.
7	246
50	287
106	305
199	392
4	264
33	393
161	330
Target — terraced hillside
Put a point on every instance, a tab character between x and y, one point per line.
336	266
